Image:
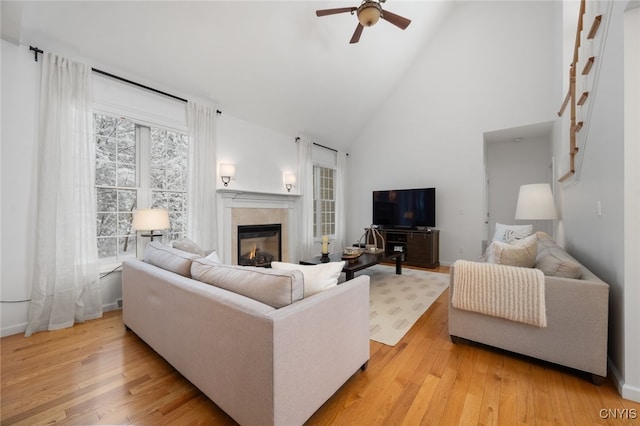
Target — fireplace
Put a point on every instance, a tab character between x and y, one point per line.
259	245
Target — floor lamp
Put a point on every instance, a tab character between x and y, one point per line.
535	202
150	220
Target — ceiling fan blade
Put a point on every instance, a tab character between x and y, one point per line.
396	20
356	34
325	12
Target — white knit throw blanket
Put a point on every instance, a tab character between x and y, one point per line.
509	292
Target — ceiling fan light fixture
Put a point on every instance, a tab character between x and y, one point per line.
369	13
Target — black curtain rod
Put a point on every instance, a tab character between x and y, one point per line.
96	70
321	146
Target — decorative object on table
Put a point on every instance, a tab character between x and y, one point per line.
352	250
325	249
351	254
227	171
150	220
372	240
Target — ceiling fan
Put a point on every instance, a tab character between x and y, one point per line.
369	12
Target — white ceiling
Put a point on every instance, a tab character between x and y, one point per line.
273	63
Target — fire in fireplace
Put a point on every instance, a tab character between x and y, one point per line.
259	245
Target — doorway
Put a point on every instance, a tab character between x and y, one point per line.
514	157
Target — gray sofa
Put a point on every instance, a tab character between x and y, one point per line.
576	314
262	365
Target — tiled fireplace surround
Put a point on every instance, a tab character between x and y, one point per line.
252	208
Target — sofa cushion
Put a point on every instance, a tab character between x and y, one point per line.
545	242
511	233
169	258
187	245
556	262
269	286
521	253
317	278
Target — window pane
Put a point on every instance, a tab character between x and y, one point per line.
169	171
105	173
126	130
106	247
127	175
176	201
157	148
127	152
124	224
105	126
105	149
106	224
324	204
127	246
158	178
127	200
175	180
165	161
106	199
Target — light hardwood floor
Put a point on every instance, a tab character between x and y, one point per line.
98	373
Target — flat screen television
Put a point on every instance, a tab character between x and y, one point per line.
405	208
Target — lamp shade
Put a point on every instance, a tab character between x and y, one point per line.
227	170
150	219
289	179
535	202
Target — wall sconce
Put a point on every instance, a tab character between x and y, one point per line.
150	220
289	181
227	171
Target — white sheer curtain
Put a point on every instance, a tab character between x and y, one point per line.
305	184
341	217
66	285
202	175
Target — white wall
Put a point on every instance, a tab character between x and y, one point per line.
598	240
20	91
509	165
631	386
261	155
483	71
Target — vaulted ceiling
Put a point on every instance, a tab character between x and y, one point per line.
272	63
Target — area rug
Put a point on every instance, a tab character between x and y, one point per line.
397	301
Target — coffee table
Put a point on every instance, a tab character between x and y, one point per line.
362	262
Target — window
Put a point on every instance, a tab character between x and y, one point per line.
324	204
137	166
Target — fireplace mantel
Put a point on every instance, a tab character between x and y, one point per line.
240	200
243	197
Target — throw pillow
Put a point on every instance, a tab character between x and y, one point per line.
169	258
271	287
213	256
317	278
521	253
511	233
556	262
187	245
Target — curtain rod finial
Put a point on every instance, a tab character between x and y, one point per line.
35	51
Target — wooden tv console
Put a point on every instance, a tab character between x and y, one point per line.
419	247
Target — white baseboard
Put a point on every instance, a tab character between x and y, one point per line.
20	328
110	307
632	393
13	329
